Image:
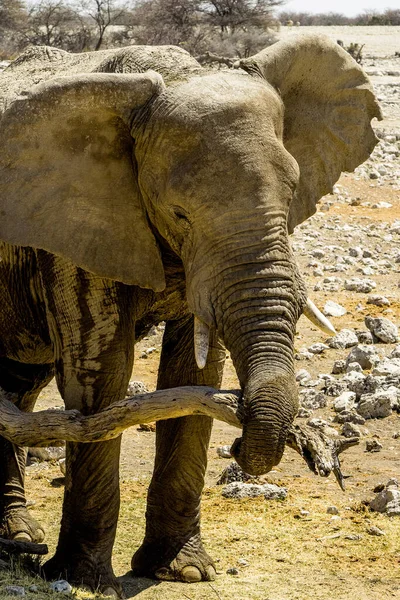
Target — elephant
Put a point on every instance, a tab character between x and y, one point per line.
136	187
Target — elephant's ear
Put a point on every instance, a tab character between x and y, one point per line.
67	182
329	104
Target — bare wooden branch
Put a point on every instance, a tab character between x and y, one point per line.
50	427
17	547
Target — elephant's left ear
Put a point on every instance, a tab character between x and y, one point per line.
329	104
67	178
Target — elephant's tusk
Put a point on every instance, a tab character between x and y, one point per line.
201	342
315	316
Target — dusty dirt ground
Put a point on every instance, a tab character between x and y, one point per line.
280	552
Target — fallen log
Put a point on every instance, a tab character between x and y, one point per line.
50	427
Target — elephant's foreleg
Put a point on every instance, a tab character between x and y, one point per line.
172	548
20	383
92	325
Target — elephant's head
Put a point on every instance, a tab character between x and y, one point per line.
223	165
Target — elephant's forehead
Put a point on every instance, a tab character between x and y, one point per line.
227	96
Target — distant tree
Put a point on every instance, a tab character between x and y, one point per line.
103	13
12	14
54	23
231	15
167	22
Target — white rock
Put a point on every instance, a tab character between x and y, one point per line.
224	451
333	309
238	489
345	401
61	586
317	348
302	374
383	329
387	501
359	285
365	356
375	406
378	300
346	338
388	366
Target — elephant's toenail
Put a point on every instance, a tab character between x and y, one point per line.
191	574
211	573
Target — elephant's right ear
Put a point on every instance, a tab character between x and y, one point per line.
329	104
67	182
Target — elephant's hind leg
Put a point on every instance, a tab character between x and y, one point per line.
20	383
172	548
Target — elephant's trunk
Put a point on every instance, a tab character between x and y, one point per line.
256	314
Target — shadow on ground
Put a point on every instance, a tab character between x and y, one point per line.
133	586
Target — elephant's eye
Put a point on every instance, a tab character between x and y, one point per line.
180	215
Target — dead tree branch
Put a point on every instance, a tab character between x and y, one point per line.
50	427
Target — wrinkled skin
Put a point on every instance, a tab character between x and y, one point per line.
127	200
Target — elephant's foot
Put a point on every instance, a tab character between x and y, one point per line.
83	572
19	525
173	562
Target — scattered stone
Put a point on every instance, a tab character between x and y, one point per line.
232	571
61	586
355	382
364	337
349	416
345	401
317	348
304	413
378	300
365	356
375	406
387	501
396	435
15	590
332	510
353	367
312	399
243	562
350	430
335	388
224	451
373	446
252	490
339	366
382	329
389	366
33	588
333	309
346	338
136	387
373	530
302	374
359	285
45	454
395	353
354	537
233	472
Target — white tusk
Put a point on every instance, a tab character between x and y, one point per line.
315	316
201	342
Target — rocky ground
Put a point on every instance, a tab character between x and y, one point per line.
312	540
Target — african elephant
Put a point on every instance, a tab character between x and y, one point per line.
138	187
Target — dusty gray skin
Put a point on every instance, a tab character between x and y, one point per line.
129	197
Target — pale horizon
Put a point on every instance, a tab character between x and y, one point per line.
349	9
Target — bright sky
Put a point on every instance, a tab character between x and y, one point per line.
350	8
